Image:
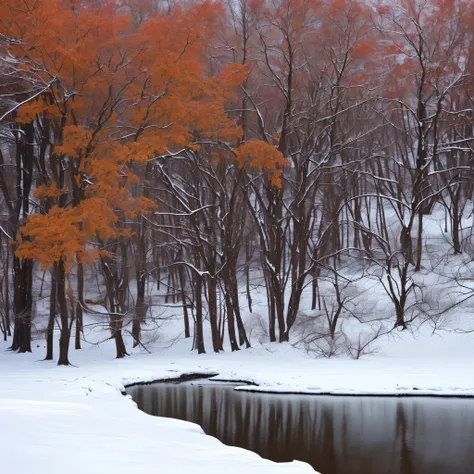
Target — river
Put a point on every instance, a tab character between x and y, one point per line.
336	435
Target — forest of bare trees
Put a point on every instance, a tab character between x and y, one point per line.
185	147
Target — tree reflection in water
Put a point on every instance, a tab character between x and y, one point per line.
336	435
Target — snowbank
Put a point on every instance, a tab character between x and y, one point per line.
75	420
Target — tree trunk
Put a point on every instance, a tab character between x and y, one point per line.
23	298
7	292
182	283
243	339
116	324
79	305
280	309
400	322
212	301
140	310
199	336
65	330
419	243
455	223
231	322
271	315
248	256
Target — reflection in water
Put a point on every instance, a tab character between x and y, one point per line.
336	435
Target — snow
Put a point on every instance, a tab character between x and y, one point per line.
75	419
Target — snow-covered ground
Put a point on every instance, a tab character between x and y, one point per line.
75	420
59	420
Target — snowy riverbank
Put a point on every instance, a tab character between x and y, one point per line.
75	420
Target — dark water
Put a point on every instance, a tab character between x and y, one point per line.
336	435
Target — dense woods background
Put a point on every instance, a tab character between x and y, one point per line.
168	154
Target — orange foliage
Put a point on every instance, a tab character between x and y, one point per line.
259	154
54	236
48	192
75	140
118	95
28	112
